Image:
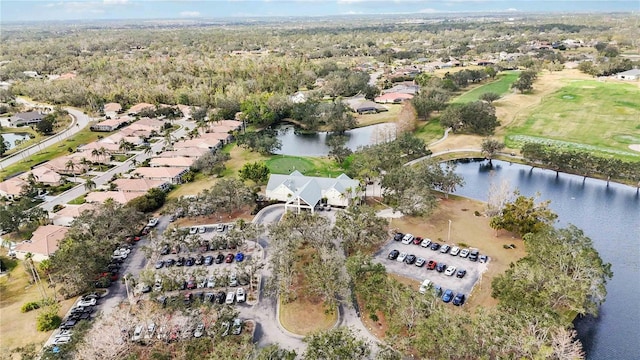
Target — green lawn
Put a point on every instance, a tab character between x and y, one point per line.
283	164
589	115
500	86
60	149
430	131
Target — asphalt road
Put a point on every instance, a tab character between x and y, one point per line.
80	121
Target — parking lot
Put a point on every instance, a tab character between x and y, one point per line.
458	285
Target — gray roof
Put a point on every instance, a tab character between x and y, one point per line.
632	72
310	188
29	116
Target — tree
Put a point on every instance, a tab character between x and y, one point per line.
429	100
265	142
371	91
524	215
476	117
229	195
499	195
89	184
70	165
337	344
490	147
489	97
45	126
273	352
211	163
257	172
338	117
4	145
524	83
358	226
337	149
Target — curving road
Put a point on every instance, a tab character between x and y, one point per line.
79	121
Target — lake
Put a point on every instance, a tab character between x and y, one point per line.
300	144
12	137
610	216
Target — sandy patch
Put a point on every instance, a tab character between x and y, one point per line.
634	147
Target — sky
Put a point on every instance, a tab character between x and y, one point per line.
42	10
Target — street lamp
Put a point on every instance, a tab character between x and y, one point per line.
449	233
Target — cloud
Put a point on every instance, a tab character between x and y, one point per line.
512	9
189	13
427	11
115	2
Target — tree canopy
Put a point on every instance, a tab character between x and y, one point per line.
523	215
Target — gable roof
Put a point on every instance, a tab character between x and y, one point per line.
73	211
121	197
29	116
45	175
112	107
178	161
12	186
44	240
138	185
159	172
310	188
139	107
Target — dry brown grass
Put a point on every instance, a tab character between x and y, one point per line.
381	117
19	329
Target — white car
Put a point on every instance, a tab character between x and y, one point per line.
236	329
450	271
64	333
151	329
407	239
464	253
59	340
454	251
425	243
193	230
402	256
221	227
201	229
118	256
158	285
152	222
233	280
87	302
199	331
137	333
211	282
231	295
426	284
241	296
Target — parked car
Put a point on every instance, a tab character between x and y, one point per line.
165	250
159	264
424	286
208	260
188	297
233	280
209	297
431	265
236	328
464	253
151	329
191	283
461	273
393	254
437	290
441	267
417	240
445	248
59	340
152	222
454	251
458	300
180	261
193	230
69	324
239	257
220	297
229	258
231	295
190	261
473	254
201	229
398	236
483	259
137	333
158	285
407	239
425	243
142	288
219	258
402	256
420	262
241	296
410	259
448	295
211	282
450	271
226	326
199	331
220	227
87	302
434	246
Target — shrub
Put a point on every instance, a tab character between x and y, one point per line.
48	319
32	305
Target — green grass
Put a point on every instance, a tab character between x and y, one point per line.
588	115
79	200
500	86
430	131
279	164
60	149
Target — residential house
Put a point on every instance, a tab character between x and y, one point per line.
140	185
135	109
99	145
185	152
26	118
65	216
405	87
112	109
367	107
172	175
12	188
223	137
179	161
61	165
630	75
45	175
110	124
149	124
44	242
201	142
393	98
305	192
121	197
118	137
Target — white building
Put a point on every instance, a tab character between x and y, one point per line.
305	192
630	75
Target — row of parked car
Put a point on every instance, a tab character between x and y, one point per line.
411	259
82	311
471	254
427	284
147	332
200	260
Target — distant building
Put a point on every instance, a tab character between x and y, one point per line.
121	197
26	118
65	217
171	175
629	75
43	242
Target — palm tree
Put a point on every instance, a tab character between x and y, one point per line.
105	154
85	163
72	166
125	145
89	185
97	153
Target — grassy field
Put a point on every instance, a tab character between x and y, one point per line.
83	137
429	131
500	86
284	164
585	114
381	117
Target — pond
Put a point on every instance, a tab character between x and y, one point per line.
11	138
301	144
610	216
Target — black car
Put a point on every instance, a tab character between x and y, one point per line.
68	324
441	267
208	260
458	300
165	250
410	259
435	246
398	236
219	258
461	273
190	262
473	255
209	297
169	262
393	254
180	262
221	297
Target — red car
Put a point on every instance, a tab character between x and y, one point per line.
131	239
229	258
431	265
113	276
417	240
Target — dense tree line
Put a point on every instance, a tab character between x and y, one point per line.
476	117
581	162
